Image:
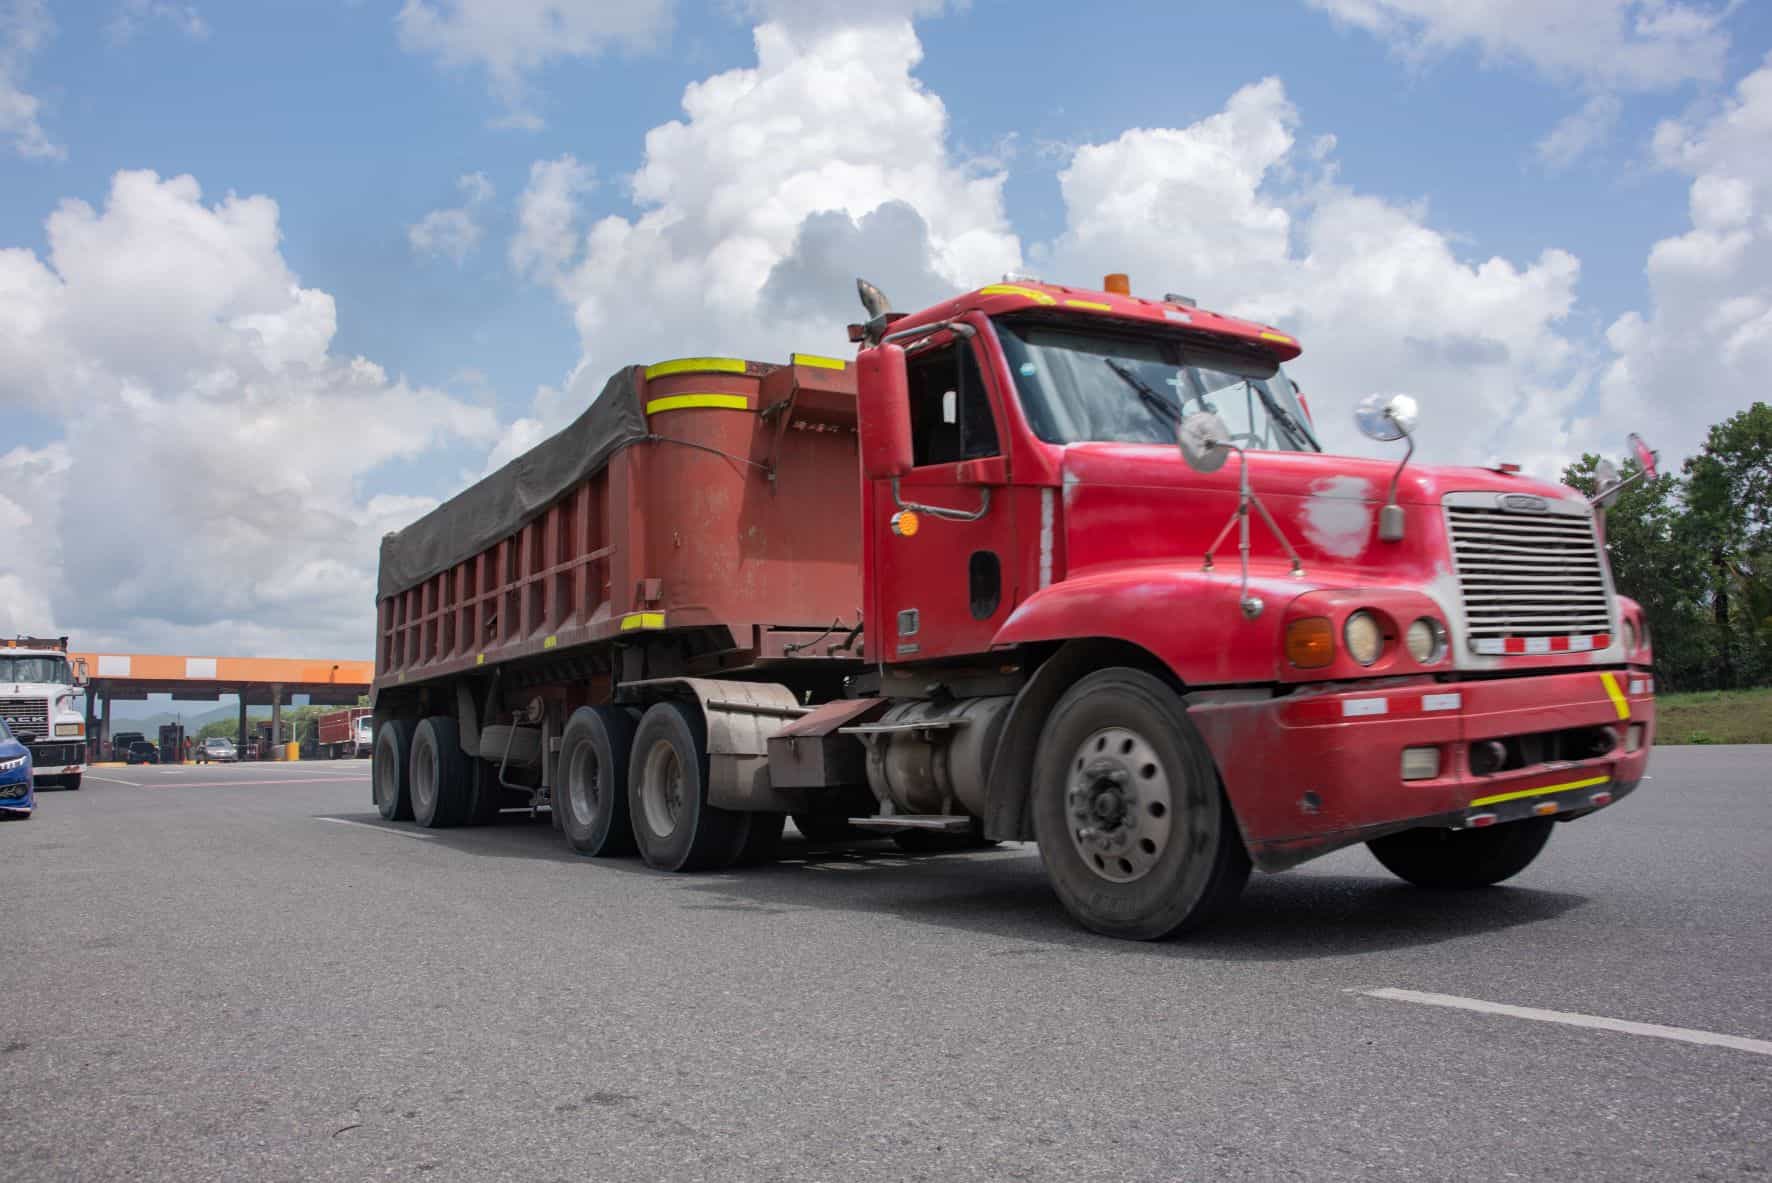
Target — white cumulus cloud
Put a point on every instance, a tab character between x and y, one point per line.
1229	211
1704	347
757	205
207	488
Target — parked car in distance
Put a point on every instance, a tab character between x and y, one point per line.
122	742
143	752
217	749
16	798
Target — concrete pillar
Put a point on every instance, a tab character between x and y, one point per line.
104	730
240	735
277	721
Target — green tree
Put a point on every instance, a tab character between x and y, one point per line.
1729	509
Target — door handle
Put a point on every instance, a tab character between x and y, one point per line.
944	512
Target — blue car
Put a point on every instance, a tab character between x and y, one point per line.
16	798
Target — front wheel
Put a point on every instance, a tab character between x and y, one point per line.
1137	837
1461	859
72	782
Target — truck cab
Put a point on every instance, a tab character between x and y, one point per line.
38	687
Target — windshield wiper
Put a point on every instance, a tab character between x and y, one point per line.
1156	402
1283	417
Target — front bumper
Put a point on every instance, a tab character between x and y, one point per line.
16	795
1321	769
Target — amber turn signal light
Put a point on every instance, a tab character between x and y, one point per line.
1310	643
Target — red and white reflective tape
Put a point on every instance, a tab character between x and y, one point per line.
1532	646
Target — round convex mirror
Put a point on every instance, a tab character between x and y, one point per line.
1203	438
1386	417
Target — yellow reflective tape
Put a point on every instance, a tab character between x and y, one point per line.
1010	289
479	659
1616	695
817	362
549	641
1280	337
683	402
1589	783
696	365
634	620
1091	304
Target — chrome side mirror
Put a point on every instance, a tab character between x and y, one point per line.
1387	419
1203	436
1607	486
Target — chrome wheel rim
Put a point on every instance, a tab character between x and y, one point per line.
662	789
584	785
1119	804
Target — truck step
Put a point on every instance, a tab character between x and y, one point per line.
944	822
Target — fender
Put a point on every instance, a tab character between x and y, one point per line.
1188	619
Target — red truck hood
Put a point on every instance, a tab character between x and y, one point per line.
1134	503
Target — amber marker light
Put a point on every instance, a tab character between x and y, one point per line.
1117	283
1310	643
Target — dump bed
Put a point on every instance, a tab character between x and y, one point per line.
703	493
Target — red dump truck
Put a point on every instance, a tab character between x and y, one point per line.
340	735
1043	563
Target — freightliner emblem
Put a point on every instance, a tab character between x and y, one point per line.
1524	503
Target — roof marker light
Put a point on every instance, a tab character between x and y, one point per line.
1118	283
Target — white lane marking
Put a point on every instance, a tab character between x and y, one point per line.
111	780
1740	1043
265	780
345	821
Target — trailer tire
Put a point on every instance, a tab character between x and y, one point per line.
591	784
390	768
1138	839
485	794
1462	859
674	826
440	781
762	839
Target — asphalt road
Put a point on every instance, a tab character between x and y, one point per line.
242	973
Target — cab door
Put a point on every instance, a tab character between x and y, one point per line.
946	542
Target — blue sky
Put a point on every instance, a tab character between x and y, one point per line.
357	128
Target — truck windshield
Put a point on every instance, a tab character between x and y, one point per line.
34	669
1079	384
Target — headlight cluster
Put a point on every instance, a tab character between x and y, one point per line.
9	765
1310	643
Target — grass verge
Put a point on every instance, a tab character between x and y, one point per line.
1714	716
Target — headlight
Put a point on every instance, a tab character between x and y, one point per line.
1365	640
1426	640
70	730
1630	635
15	762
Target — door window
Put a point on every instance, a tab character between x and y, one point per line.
950	411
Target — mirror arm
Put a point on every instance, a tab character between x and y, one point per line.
1390	518
943	512
1622	485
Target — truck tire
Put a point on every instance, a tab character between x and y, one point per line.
1458	859
674	826
591	796
389	770
485	795
72	782
1137	837
440	781
762	840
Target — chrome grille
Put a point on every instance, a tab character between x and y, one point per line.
26	714
1528	575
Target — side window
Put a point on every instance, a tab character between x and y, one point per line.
950	412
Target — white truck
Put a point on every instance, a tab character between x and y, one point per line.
38	686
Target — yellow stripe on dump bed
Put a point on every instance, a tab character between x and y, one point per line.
634	620
817	362
696	365
1589	783
683	402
